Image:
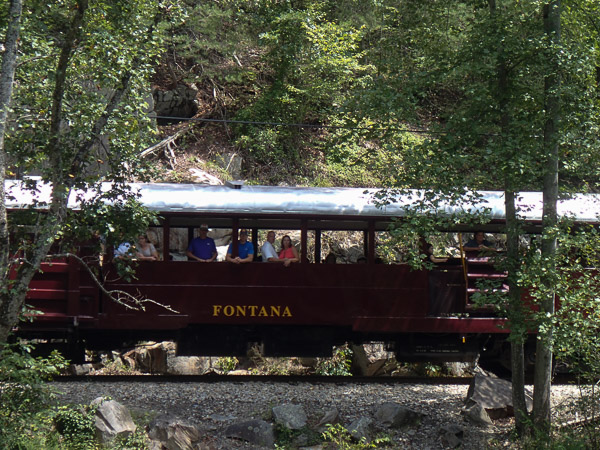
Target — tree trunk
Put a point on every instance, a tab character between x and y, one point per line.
543	360
7	75
515	313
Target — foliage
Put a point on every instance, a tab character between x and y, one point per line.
76	427
286	437
78	118
342	439
24	396
226	364
338	365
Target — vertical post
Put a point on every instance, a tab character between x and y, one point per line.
255	241
371	242
317	246
365	243
303	241
167	238
234	236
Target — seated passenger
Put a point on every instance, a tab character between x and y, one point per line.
124	250
202	248
288	252
330	259
430	256
145	250
245	250
479	243
268	251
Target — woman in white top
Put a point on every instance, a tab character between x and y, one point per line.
145	251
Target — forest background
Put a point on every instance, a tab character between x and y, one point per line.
450	96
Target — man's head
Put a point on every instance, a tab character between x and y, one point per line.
243	236
203	230
271	236
479	237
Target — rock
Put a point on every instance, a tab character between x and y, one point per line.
202	177
452	435
331	417
458	369
477	414
393	415
81	369
173	433
369	359
257	432
290	416
112	420
360	428
179	102
494	395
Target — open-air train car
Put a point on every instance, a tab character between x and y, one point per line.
303	310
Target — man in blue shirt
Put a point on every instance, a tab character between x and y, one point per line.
245	250
202	248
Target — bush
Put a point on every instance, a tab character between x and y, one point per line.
338	364
76	426
24	396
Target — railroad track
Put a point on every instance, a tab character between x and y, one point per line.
315	379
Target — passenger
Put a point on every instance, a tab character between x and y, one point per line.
145	250
123	251
479	243
430	256
268	251
361	260
245	250
202	248
330	259
288	252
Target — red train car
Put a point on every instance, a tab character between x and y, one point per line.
222	308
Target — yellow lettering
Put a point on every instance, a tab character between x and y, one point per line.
251	310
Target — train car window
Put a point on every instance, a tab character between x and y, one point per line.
347	246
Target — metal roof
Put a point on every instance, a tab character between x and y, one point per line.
277	201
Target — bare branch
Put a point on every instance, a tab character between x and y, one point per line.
129	301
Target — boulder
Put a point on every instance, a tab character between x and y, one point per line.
331	417
370	359
494	395
257	432
173	433
394	415
361	428
112	420
452	435
290	416
477	414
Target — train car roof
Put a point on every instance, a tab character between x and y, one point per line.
272	201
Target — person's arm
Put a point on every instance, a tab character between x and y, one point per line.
250	256
269	253
140	257
192	256
295	252
435	259
214	253
471	246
